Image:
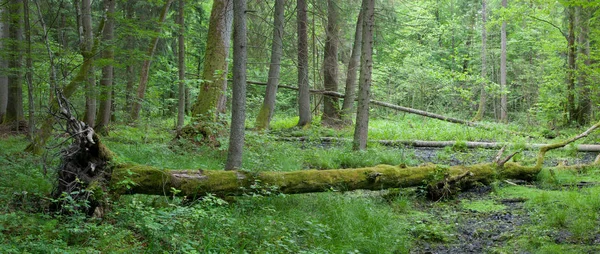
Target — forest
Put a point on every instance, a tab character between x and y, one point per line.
305	126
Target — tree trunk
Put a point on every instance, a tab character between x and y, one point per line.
86	51
364	86
145	72
196	183
265	115
211	99
129	69
482	99
14	110
331	108
3	62
29	71
106	82
303	86
571	64
584	111
503	89
353	66
181	66
238	102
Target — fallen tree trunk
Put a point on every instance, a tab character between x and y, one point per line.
401	108
441	144
194	183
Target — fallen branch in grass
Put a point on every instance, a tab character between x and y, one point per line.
442	144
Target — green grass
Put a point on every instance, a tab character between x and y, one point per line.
331	222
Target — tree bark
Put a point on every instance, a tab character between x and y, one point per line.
86	51
364	93
3	62
503	90
129	69
145	72
265	115
571	64
29	71
331	108
482	96
584	109
353	65
106	82
211	99
238	103
181	66
303	84
196	183
14	110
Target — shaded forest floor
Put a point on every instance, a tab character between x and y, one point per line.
559	213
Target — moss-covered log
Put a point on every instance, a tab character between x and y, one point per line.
138	179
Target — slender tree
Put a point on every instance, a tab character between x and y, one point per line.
584	109
211	99
238	104
361	130
87	44
181	66
353	66
107	71
14	110
145	72
3	63
129	68
503	90
331	107
571	63
29	71
268	107
482	95
303	85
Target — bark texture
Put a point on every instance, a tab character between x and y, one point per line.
86	51
14	109
353	65
331	108
181	66
211	99
503	90
106	82
238	104
268	107
364	93
3	63
303	85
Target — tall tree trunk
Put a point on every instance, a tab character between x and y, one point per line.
268	107
353	66
482	96
3	62
181	66
584	111
238	102
503	89
361	130
331	107
571	64
303	86
145	72
129	69
211	99
87	44
106	82
29	70
14	110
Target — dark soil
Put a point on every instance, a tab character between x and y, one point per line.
475	232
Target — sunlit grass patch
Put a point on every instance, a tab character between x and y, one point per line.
482	206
